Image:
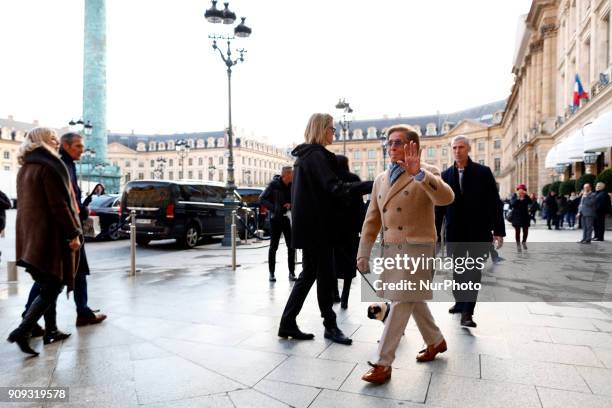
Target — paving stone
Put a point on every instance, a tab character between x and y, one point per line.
312	372
173	378
567	311
598	379
244	366
567	399
337	399
142	351
605	355
405	385
530	372
299	396
556	353
581	337
603	325
254	399
211	401
450	391
269	341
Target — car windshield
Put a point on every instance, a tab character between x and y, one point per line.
102	201
147	194
249	195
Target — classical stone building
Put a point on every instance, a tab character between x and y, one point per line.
156	156
364	143
557	40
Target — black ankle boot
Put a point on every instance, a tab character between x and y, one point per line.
22	340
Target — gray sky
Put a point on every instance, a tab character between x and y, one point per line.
389	57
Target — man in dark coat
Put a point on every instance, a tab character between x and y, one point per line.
71	149
351	217
552	207
602	209
473	220
277	197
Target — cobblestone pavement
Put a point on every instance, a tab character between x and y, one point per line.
189	332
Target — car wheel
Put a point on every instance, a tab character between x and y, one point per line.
112	231
191	237
143	241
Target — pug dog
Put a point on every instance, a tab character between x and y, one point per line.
379	311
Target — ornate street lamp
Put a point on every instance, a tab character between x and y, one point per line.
227	17
182	149
346	120
159	169
383	145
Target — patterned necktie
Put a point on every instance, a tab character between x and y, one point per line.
394	172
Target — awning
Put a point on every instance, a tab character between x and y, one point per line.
551	158
598	135
574	146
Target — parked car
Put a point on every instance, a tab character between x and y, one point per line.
250	195
106	208
183	210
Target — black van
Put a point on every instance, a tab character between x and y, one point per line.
183	210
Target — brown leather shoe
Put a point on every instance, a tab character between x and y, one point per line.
87	320
377	374
429	353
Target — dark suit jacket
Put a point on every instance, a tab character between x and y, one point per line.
477	211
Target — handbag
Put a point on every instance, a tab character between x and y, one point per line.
509	216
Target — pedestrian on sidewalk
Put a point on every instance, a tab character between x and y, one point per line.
602	209
587	211
277	198
474	220
533	208
72	147
403	205
98	190
572	209
48	232
551	210
5	204
520	216
562	211
351	215
315	197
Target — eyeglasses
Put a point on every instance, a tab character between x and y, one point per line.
396	143
333	129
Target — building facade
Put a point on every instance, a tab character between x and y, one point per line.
559	40
204	158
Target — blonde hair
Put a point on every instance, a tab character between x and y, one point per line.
35	138
315	130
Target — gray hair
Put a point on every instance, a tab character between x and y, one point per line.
461	138
69	137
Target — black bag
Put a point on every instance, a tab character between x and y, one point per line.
509	216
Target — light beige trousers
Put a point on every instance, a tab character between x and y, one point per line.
395	325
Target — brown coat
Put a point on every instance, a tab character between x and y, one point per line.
405	212
46	217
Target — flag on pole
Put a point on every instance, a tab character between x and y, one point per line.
579	92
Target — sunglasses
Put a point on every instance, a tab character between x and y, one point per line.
395	143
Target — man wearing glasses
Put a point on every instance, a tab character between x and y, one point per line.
402	205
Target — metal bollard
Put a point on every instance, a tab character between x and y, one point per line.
11	271
132	243
234	240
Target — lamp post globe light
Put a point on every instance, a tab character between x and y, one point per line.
159	169
346	120
182	149
215	16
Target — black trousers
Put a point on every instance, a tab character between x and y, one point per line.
552	220
278	227
317	266
599	226
466	299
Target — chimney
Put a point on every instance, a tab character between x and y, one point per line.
35	123
11	118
